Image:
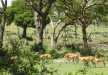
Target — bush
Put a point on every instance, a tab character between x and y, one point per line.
24	61
56	54
87	52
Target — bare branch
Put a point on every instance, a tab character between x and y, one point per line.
4	4
61	30
57	24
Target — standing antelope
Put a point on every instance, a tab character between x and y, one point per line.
71	57
45	56
91	59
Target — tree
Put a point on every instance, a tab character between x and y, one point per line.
21	15
24	20
2	20
56	16
84	12
41	11
59	21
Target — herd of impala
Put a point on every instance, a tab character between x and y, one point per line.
70	57
76	57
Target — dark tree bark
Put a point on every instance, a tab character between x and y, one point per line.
84	33
2	24
55	43
1	35
2	21
84	24
85	40
24	35
76	35
40	29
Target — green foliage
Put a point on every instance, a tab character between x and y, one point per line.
10	15
82	71
56	53
25	18
20	14
27	61
92	10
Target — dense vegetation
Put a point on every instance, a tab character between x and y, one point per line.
31	28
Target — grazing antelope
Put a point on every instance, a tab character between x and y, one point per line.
91	59
87	59
45	56
71	57
100	60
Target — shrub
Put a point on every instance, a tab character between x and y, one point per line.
26	62
56	53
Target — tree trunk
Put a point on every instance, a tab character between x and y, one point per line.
54	43
39	22
24	35
2	26
39	40
85	41
1	36
76	36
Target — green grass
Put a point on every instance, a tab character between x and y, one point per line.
73	68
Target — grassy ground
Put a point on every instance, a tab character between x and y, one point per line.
73	69
65	68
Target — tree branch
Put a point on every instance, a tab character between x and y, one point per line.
40	5
50	2
56	27
4	4
61	31
94	5
34	6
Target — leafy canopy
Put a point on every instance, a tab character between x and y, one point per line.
20	14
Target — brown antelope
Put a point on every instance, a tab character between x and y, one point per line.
87	58
100	60
45	56
71	57
91	59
